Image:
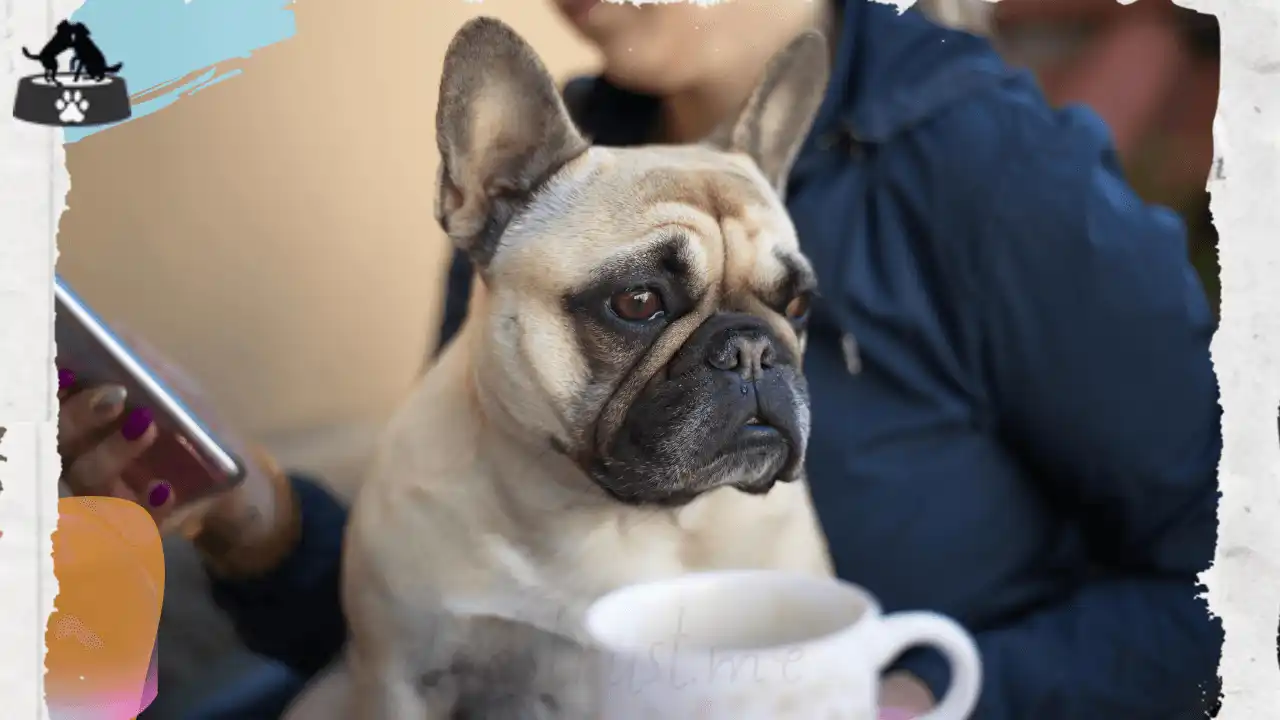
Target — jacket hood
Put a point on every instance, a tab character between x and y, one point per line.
895	69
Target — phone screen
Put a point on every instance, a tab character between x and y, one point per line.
186	454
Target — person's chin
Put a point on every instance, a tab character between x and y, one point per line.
597	21
576	11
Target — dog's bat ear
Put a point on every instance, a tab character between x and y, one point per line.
502	130
776	118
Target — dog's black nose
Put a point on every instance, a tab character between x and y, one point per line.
747	350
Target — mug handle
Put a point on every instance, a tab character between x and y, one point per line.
902	631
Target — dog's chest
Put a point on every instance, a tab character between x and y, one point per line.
551	584
580	559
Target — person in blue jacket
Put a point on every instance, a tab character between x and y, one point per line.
1015	416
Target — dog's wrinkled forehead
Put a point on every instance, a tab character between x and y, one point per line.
516	174
714	210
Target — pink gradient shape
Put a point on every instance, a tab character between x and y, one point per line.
151	687
124	704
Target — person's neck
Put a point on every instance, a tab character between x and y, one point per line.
693	113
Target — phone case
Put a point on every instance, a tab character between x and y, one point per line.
173	458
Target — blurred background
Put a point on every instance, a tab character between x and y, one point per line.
1150	69
274	235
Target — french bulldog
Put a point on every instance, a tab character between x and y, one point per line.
624	403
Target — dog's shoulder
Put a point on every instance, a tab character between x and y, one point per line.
420	483
433	435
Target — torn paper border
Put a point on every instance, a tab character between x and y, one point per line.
1244	583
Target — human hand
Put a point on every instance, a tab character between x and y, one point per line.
98	447
903	696
244	529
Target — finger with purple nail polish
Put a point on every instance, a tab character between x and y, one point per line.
136	424
66	379
159	493
108	401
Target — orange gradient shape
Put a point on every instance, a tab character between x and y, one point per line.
101	636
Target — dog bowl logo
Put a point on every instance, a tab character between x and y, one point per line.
85	91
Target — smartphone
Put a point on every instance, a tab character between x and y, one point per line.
185	454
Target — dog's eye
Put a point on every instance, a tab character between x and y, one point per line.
798	309
637	305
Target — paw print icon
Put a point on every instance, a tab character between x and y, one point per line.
71	107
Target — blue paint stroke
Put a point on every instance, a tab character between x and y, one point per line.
160	40
174	93
214	81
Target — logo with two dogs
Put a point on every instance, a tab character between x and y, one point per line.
87	91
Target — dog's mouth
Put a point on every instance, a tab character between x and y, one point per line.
758	434
757	424
763	454
749	443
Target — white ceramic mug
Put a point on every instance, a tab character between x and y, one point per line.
763	645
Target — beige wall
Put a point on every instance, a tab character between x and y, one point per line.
273	233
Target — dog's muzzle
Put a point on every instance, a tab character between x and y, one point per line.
731	409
